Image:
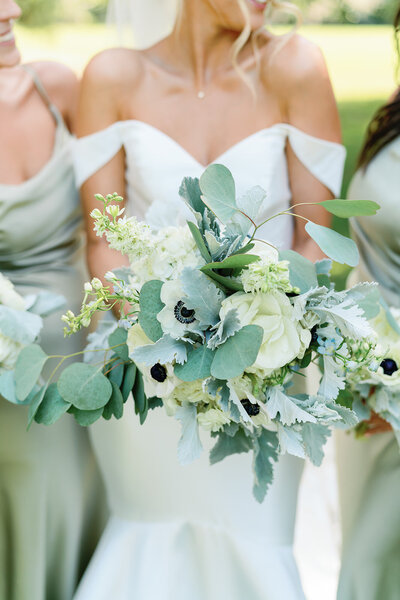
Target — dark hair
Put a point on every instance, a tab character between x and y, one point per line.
385	125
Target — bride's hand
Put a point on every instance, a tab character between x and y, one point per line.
377	425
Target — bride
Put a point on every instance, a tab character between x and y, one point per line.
215	86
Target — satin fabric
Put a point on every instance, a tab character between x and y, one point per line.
369	469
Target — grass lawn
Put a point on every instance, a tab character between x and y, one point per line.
361	61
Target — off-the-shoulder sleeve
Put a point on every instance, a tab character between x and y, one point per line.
324	159
94	151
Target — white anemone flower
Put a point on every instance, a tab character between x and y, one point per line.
175	318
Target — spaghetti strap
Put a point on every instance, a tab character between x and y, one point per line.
44	95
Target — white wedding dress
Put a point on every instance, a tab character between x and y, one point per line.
194	532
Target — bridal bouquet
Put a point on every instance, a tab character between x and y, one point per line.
20	325
377	387
214	326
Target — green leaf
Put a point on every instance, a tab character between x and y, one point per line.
314	439
46	303
52	407
150	305
227	282
338	247
235	261
7	387
189	446
138	394
191	192
389	316
86	417
34	405
115	406
237	353
118	339
302	272
244	249
197	366
218	188
19	325
227	445
115	371
200	243
163	351
350	208
265	454
128	381
30	363
305	361
345	398
145	411
84	386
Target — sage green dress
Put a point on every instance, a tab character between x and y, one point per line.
369	469
50	492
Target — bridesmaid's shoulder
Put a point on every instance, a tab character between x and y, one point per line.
113	68
293	62
61	84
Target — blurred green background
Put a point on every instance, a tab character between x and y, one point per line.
355	36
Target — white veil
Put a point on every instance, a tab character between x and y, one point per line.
142	23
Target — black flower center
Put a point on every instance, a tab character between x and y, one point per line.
389	366
251	409
159	373
183	314
314	335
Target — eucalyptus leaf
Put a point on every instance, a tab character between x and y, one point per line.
117	341
52	407
85	418
150	305
84	386
21	326
218	189
197	366
237	353
115	371
46	303
302	272
350	208
29	365
138	394
35	404
249	206
115	406
128	380
7	387
336	246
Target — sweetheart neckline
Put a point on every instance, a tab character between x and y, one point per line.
269	129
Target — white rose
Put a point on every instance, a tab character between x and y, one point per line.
9	351
213	419
159	380
8	296
284	338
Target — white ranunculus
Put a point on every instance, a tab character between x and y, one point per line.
9	350
284	338
159	380
175	319
8	296
213	419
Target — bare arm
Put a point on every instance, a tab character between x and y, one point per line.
98	108
310	106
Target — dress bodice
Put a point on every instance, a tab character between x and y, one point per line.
156	165
40	218
378	238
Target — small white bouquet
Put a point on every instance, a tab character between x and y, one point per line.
376	387
20	325
216	324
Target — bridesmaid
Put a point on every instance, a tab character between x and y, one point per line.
48	477
369	470
200	94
